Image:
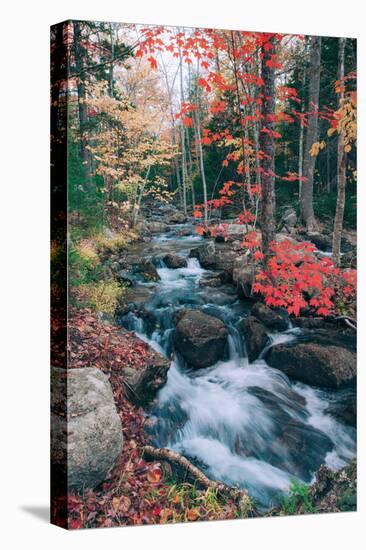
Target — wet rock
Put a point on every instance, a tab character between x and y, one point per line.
173	261
244	275
149	271
89	439
223	296
270	318
349	260
143	230
134	300
175	217
293	445
184	232
314	364
335	491
212	280
289	219
233	232
255	336
335	335
141	385
205	254
344	408
200	338
125	278
322	242
157	227
217	256
310	322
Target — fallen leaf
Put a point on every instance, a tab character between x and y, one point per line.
192	514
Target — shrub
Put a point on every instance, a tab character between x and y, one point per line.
103	296
298	501
110	244
84	266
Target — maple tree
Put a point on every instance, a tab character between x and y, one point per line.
281	282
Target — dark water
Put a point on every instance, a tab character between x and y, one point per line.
244	424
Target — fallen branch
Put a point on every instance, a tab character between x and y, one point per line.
182	462
348	320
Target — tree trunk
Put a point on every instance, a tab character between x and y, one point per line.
110	75
267	145
83	116
301	137
341	172
200	151
307	188
183	142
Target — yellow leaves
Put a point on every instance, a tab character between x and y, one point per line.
317	147
331	131
347	148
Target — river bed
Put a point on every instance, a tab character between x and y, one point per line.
245	424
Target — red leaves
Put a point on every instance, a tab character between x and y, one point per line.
296	279
273	62
271	133
250	240
204	84
246	217
218	106
285	92
185	109
187	121
153	63
292	176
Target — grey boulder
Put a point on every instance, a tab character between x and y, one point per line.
88	440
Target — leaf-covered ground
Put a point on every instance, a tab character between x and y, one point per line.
136	492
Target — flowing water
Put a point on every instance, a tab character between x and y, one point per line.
243	423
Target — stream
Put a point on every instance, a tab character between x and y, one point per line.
242	423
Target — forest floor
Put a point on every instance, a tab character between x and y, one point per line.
136	491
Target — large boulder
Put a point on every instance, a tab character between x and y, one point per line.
289	219
200	338
270	318
255	336
175	217
314	363
244	274
213	280
233	232
87	434
142	384
173	261
157	227
216	256
344	407
322	242
148	271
